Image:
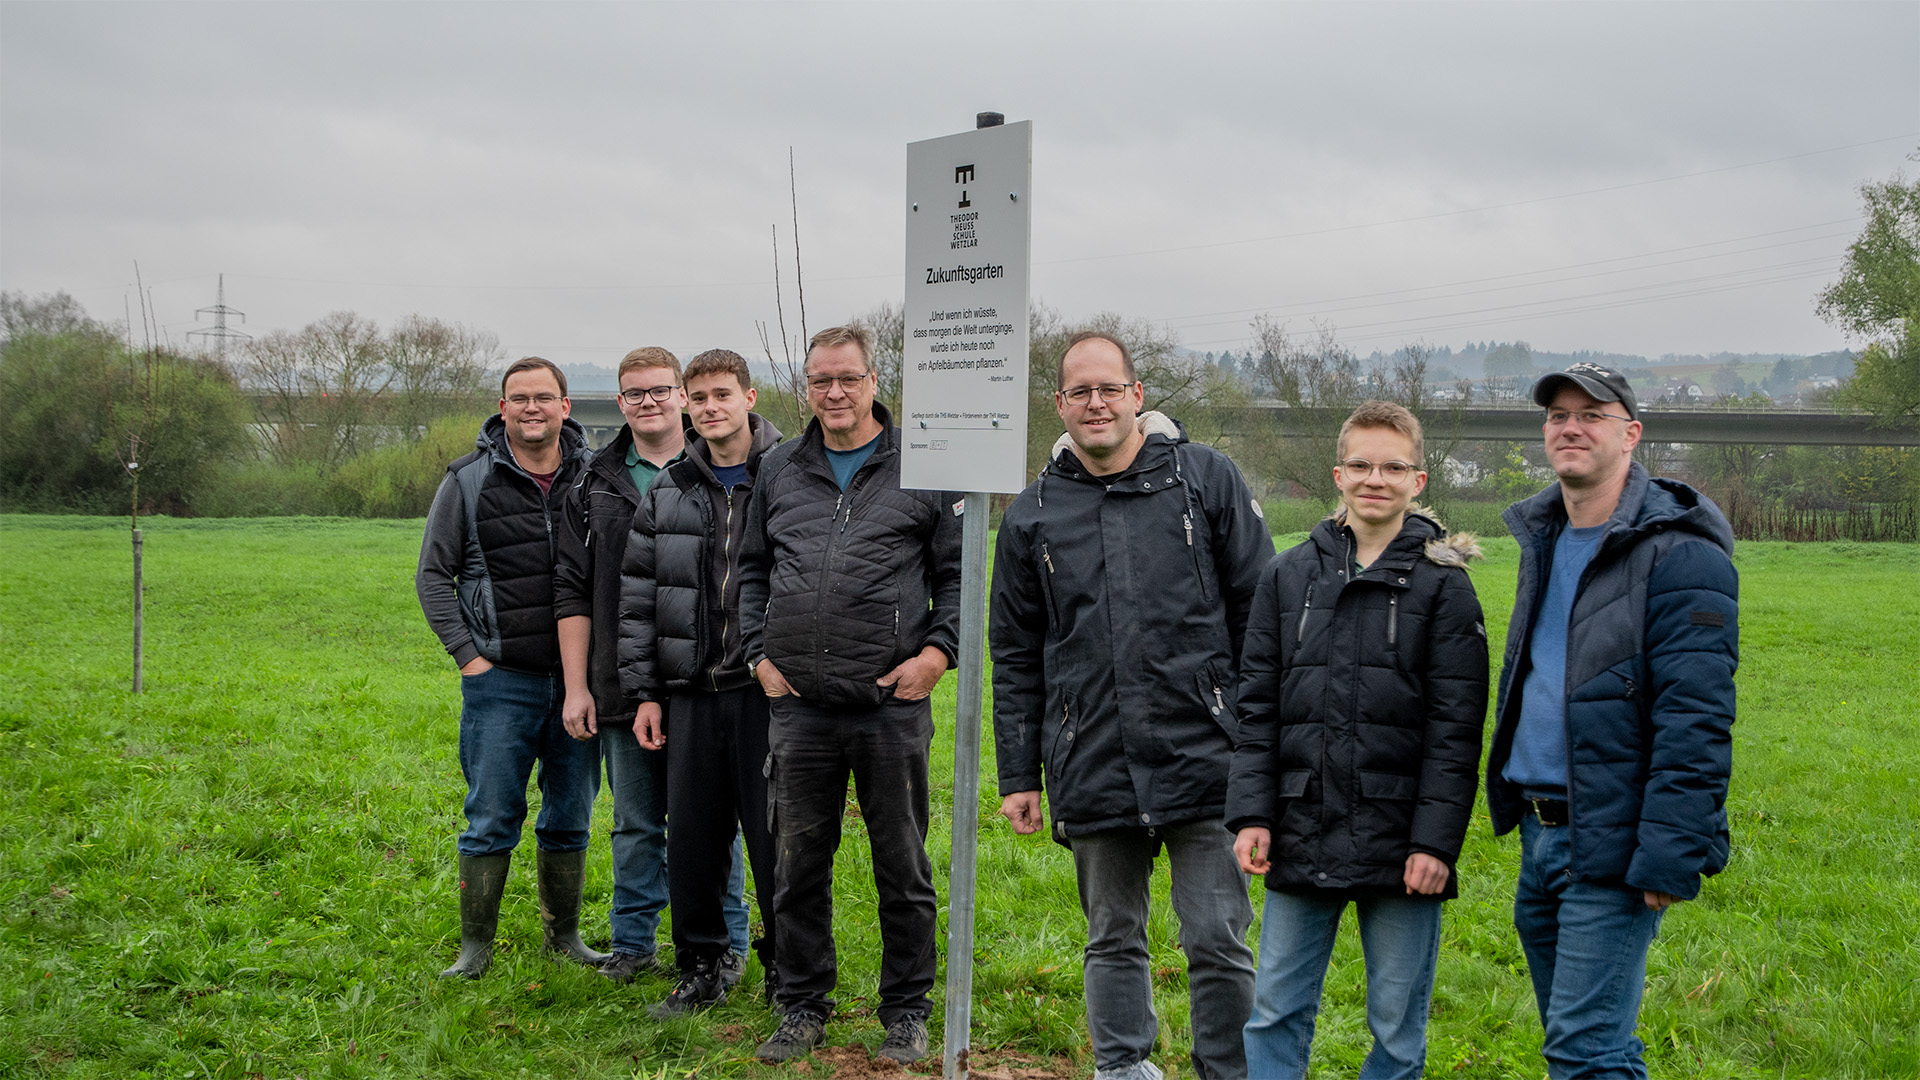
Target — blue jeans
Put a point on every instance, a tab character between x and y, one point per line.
508	721
1586	949
1400	936
1210	899
638	779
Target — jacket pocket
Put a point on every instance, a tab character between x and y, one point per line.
1381	785
1061	745
1293	783
1213	694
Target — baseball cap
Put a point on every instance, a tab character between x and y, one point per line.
1600	383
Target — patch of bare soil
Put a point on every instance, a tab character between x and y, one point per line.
857	1063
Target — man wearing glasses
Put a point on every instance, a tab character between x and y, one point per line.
1613	739
486	584
1121	588
592	545
849	614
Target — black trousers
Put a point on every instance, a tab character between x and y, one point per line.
885	750
716	762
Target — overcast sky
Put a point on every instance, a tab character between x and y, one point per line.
583	179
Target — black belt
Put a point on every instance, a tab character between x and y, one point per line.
1549	811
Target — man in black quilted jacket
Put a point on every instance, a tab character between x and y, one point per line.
1613	741
849	612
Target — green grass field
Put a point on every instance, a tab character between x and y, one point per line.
248	871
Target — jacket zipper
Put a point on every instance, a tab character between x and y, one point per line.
1300	634
1219	703
726	622
1393	618
1053	606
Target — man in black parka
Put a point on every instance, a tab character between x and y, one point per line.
1121	586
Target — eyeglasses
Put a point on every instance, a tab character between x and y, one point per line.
1393	472
820	384
521	401
1109	392
637	394
1587	417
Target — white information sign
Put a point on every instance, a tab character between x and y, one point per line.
964	378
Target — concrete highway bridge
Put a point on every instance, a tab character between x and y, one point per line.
1811	426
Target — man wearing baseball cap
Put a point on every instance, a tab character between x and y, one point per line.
1613	740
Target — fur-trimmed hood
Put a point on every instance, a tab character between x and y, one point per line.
1443	548
1153	422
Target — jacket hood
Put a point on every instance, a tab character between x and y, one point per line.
1153	422
765	437
493	440
1421	528
1647	504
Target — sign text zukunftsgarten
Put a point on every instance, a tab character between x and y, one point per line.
964	378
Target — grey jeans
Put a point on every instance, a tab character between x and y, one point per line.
1210	900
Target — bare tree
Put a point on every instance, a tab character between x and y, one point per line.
340	386
1318	381
886	322
437	369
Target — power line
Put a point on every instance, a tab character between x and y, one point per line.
219	335
1332	229
1545	270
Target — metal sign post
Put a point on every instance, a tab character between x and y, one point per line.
964	422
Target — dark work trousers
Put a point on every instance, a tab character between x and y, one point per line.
716	757
884	748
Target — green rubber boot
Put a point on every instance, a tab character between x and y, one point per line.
563	874
483	880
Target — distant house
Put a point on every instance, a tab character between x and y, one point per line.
1681	392
1823	382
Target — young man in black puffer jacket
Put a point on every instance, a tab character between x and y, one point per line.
681	660
1363	689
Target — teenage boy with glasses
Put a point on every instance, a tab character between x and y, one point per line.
1121	585
1363	688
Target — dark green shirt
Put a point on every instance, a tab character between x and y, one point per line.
645	472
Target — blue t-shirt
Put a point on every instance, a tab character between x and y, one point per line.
730	476
1538	762
847	462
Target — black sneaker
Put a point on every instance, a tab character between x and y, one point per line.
730	967
623	966
906	1040
697	989
797	1035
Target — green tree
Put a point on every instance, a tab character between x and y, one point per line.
1877	299
76	395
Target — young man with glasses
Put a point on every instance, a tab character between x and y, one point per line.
1612	745
681	660
486	584
1362	694
591	546
1122	581
849	614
